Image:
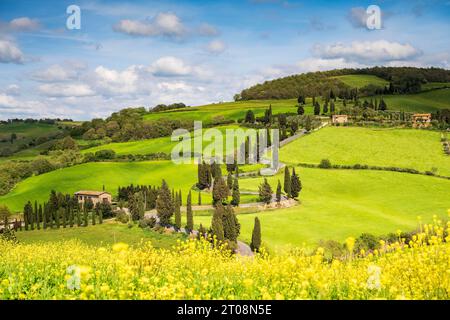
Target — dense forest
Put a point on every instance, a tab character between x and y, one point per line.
401	80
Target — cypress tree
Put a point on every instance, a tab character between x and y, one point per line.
36	215
255	245
78	214
85	216
181	198
64	217
57	217
71	216
220	191
199	198
332	107
100	216
269	138
287	182
296	185
189	215
31	217
217	224
44	216
279	192
93	213
265	192
230	181
177	213
27	214
231	226
317	108
164	204
300	110
236	194
39	217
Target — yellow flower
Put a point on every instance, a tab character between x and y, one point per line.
120	246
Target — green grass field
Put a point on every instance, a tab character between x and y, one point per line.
108	233
25	133
92	176
359	81
406	148
228	110
337	204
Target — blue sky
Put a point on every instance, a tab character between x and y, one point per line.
141	53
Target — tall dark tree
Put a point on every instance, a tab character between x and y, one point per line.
39	216
287	182
136	205
296	185
325	107
220	191
382	106
189	215
217	223
316	108
231	226
85	216
164	204
255	245
177	212
278	194
332	107
300	110
199	198
265	192
230	181
236	194
27	213
45	216
250	117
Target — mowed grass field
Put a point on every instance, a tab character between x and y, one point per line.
359	81
108	233
406	148
93	176
336	204
229	110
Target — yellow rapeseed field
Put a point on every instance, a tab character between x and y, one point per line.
72	270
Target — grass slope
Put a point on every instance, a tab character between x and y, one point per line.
417	149
92	176
337	204
359	81
107	233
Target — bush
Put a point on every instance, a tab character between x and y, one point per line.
147	223
366	242
325	164
105	154
122	216
332	249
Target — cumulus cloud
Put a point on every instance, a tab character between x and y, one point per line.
10	53
163	24
169	67
57	72
22	24
111	81
319	64
66	90
13	90
9	105
216	47
208	30
368	51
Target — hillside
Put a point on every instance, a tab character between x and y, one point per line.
405	148
401	80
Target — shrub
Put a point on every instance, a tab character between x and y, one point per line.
147	223
122	216
366	242
325	164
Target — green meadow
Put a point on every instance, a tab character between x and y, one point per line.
93	176
105	234
406	148
336	204
359	81
227	110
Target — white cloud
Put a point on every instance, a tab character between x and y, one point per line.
10	106
111	81
56	72
24	24
10	53
21	24
208	30
13	90
372	51
216	47
163	24
66	90
170	66
318	64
